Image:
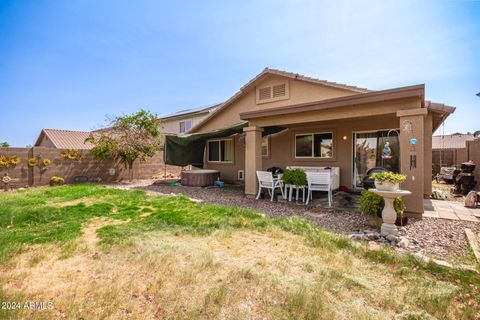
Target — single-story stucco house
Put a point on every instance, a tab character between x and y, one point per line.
285	119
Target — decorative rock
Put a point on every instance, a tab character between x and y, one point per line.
403	243
372	245
392	238
442	263
471	200
372	236
357	236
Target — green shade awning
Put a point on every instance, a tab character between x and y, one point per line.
189	149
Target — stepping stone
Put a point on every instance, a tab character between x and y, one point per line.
467	218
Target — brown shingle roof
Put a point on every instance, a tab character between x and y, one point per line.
451	141
65	139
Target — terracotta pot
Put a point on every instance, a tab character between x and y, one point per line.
386	186
401	221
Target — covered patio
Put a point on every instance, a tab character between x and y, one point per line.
305	122
402	110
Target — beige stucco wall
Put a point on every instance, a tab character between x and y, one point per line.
342	122
282	147
299	92
46	142
428	155
173	126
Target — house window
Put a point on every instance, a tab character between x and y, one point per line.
220	150
314	145
185	126
265	146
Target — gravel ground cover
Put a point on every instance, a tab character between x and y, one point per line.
437	237
335	219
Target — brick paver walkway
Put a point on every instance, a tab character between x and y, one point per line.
450	210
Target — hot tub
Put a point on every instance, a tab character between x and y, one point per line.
199	177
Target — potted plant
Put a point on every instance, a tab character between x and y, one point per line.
295	177
400	209
372	204
388	181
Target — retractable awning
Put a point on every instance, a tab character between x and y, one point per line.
189	149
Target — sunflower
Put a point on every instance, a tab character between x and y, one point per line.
79	156
64	154
3	161
32	162
14	160
72	155
46	162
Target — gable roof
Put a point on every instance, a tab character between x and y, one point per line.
65	139
268	71
354	99
190	112
451	141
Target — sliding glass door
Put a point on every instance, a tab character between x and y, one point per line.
375	149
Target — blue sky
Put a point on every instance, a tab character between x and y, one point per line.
68	64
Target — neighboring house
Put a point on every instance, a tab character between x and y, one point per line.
282	119
450	150
63	139
182	121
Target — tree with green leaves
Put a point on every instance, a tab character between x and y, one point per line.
127	139
4	145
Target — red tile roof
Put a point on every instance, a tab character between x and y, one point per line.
65	139
451	141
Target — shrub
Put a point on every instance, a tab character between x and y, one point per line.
57	181
295	176
399	206
389	176
371	203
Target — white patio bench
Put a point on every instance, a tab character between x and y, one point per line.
334	173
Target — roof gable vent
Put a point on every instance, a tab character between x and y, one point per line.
265	93
274	92
279	90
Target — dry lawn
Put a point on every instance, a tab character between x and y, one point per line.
235	274
98	253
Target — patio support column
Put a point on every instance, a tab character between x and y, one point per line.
253	157
427	188
412	126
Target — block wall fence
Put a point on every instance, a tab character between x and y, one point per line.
454	157
88	166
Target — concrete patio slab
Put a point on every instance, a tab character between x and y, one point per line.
451	210
448	215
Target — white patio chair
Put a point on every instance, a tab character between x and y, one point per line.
319	181
266	180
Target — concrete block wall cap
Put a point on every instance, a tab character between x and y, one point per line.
412	112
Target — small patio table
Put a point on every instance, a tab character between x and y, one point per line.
290	192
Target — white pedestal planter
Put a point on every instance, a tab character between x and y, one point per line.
386	186
388	214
